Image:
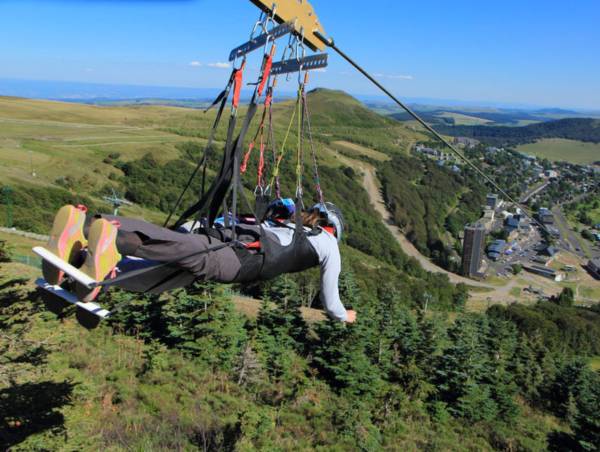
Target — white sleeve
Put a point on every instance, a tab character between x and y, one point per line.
331	266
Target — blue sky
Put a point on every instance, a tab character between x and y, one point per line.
541	52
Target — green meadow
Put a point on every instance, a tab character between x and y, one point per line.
558	149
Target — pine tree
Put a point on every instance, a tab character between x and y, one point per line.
463	371
586	421
205	325
564	392
286	317
341	353
501	351
526	371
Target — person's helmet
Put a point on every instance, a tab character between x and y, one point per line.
283	208
333	215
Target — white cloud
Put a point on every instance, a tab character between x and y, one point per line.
402	77
195	64
321	69
395	76
88	69
220	65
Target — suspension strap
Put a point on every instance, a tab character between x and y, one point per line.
282	153
300	148
317	178
267	65
222	99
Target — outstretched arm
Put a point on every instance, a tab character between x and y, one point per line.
331	265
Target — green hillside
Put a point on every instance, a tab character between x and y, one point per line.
188	371
558	149
185	371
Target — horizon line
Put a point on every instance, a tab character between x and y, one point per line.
425	100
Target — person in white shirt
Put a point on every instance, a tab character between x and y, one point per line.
263	252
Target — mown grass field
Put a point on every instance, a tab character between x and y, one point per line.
558	149
464	120
19	245
55	139
355	150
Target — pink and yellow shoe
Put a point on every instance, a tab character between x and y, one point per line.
66	240
102	257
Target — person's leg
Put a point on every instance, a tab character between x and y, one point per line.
188	251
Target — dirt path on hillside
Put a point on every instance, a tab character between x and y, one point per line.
504	294
371	185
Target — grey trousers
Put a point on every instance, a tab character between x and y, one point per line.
159	244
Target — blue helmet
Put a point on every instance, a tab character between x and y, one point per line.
333	215
283	207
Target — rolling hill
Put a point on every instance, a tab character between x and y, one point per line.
580	129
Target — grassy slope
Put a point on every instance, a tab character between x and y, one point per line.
464	120
60	140
558	149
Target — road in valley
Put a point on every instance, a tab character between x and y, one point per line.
533	192
570	238
371	185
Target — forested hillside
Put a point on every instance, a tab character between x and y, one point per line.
428	202
188	371
185	371
581	129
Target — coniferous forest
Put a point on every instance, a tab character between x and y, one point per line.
187	371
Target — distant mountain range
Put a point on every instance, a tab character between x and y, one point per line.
435	110
441	116
79	92
581	129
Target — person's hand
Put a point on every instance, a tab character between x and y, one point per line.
351	316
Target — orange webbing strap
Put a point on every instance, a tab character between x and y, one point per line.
259	133
261	162
244	165
252	246
268	64
238	80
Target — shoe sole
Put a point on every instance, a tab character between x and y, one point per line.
66	240
102	257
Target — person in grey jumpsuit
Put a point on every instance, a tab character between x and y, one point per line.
141	240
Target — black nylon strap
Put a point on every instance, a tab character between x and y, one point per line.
204	160
208	196
235	170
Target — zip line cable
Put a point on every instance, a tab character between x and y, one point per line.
329	42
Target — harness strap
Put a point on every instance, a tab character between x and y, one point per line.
222	98
220	185
267	65
237	85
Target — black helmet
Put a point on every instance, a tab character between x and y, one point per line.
333	215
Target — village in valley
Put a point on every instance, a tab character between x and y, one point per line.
553	245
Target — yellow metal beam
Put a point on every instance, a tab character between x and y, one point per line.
298	12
